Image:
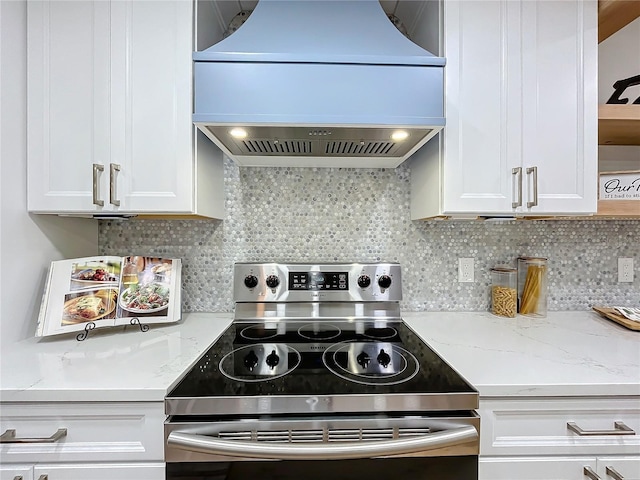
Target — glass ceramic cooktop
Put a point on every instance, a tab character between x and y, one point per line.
289	358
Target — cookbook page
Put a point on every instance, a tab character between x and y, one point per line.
80	291
149	290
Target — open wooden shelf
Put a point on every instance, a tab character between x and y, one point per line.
614	15
619	124
618	208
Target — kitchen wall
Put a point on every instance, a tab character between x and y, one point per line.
28	243
295	214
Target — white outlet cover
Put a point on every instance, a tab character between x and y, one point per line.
465	270
625	270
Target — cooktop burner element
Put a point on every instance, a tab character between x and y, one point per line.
259	332
260	362
319	331
371	363
381	333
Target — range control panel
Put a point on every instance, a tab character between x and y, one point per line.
297	282
318	281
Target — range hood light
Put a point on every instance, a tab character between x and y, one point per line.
238	133
399	135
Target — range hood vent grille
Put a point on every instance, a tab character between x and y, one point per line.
376	149
267	146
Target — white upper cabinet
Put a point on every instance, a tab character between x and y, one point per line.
521	110
109	111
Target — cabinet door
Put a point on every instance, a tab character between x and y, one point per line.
534	468
101	471
151	116
559	63
482	135
16	472
68	92
627	467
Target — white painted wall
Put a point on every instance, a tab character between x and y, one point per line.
28	243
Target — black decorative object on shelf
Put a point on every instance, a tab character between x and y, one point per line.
620	86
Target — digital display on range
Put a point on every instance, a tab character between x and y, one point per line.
318	281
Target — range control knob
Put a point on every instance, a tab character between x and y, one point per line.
383	358
251	281
273	359
250	361
363	360
272	281
384	281
364	281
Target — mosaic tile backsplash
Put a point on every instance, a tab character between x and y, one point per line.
345	215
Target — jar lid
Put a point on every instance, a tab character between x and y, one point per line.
503	268
540	259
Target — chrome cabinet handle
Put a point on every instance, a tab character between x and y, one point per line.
113	196
298	451
9	436
97	168
17	477
518	172
613	473
588	472
43	477
619	428
533	170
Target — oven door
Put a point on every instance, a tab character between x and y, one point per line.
351	447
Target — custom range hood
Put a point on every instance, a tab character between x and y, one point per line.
313	83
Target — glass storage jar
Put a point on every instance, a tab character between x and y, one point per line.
504	293
532	286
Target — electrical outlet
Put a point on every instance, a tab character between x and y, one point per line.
625	270
465	270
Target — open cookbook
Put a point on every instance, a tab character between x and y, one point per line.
107	291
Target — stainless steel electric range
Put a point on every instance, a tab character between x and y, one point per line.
319	376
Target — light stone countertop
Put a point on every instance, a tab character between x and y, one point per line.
565	354
119	364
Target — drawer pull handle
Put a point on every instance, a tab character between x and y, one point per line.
43	477
613	473
588	472
619	428
17	477
10	437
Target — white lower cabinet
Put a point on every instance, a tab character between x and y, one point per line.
544	438
617	468
101	471
86	441
533	468
16	472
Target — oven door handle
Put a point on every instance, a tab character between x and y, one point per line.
325	451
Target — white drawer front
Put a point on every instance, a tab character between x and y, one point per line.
16	472
95	432
102	471
539	426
